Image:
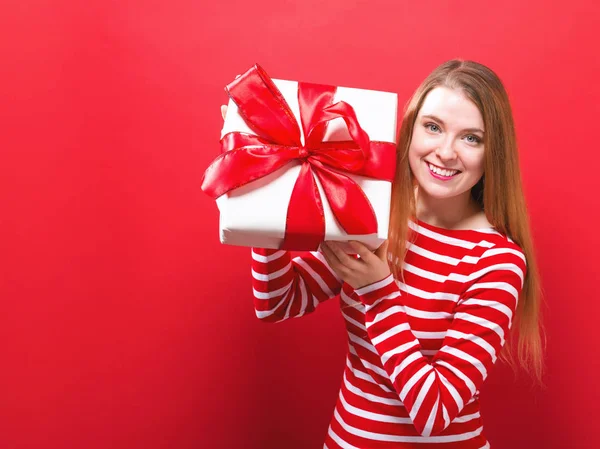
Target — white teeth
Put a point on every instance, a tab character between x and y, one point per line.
439	171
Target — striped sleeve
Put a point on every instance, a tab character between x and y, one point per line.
285	287
435	391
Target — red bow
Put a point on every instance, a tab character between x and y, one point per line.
246	158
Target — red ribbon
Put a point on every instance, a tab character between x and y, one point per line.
246	158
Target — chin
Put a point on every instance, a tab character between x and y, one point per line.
441	191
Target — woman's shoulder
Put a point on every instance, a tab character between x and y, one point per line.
503	249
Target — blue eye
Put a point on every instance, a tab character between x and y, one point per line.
429	125
435	128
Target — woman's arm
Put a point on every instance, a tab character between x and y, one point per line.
286	287
434	392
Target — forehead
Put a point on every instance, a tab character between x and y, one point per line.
452	107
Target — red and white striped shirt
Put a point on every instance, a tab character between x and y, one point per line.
418	351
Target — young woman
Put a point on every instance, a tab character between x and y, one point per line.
430	311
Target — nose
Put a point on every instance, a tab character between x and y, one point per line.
446	150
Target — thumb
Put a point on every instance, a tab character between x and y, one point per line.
223	111
381	252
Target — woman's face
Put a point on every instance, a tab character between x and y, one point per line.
448	133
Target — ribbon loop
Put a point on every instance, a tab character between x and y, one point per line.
263	107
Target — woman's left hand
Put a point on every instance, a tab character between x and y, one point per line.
370	268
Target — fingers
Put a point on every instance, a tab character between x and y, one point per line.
381	252
338	259
364	252
343	257
356	272
329	256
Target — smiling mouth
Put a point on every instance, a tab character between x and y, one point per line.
442	168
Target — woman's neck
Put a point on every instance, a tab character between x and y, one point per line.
448	213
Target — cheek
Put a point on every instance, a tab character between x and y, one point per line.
474	163
414	156
423	145
417	138
417	147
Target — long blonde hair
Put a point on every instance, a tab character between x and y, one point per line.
499	190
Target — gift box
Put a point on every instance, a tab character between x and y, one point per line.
301	163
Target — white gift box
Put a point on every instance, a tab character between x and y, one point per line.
255	214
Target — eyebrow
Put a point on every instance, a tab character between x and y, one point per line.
437	119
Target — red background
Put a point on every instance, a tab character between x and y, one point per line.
124	323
